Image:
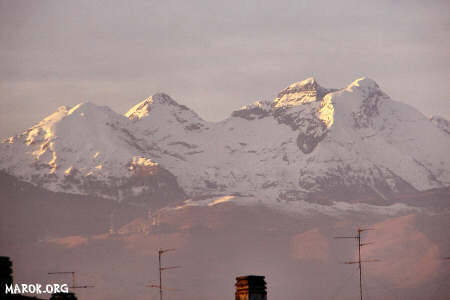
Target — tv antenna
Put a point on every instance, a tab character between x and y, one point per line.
111	223
160	269
73	280
359	261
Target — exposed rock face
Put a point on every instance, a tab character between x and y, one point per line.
308	141
441	123
300	92
89	150
257	110
300	106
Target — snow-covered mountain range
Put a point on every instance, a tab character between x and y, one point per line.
310	143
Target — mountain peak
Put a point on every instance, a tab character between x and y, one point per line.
163	99
83	107
308	83
300	92
143	108
309	140
363	83
162	108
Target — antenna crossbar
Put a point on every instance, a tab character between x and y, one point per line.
161	269
359	261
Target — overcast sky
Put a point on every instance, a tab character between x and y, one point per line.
215	56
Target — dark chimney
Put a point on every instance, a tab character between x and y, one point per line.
251	287
5	274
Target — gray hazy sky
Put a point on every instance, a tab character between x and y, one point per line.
215	56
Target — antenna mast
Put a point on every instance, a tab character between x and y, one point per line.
73	280
111	223
359	261
160	269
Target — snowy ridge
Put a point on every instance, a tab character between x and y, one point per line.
307	144
299	93
86	149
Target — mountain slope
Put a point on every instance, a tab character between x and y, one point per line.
88	150
309	144
441	123
311	140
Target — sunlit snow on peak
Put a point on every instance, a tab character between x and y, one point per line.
326	111
299	93
363	83
143	108
311	81
140	110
